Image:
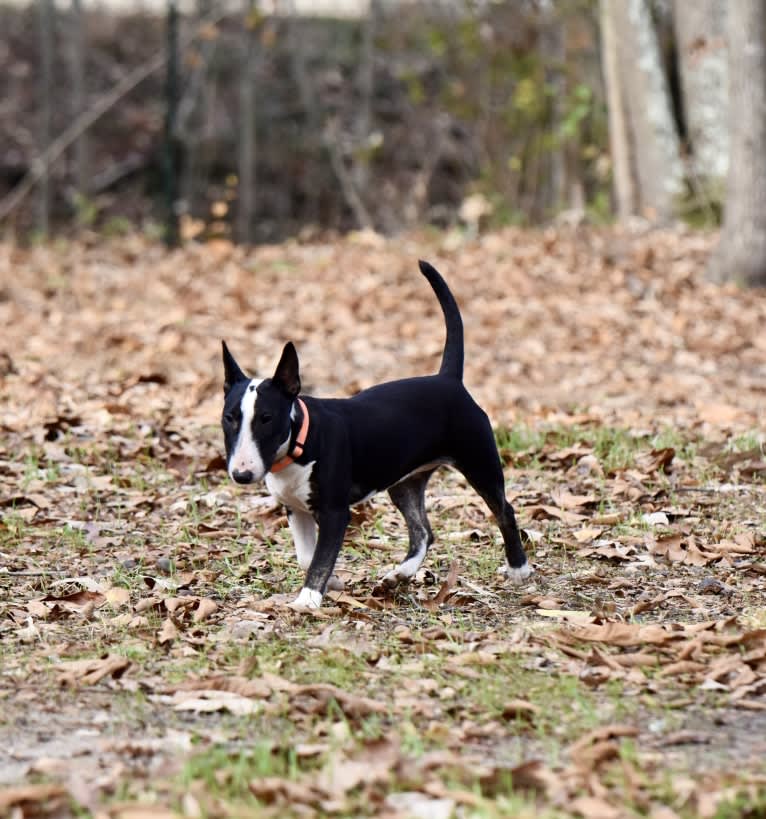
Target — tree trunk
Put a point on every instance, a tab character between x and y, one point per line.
619	135
363	116
553	55
656	146
741	253
46	21
246	205
170	158
77	73
701	38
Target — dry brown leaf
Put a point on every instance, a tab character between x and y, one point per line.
205	608
374	764
255	688
93	670
567	500
541	512
201	701
76	601
620	634
18	796
568	615
656	460
535	775
520	709
608	519
142	812
117	596
315	698
168	632
719	414
444	590
609	549
271	789
591	807
599	735
591	756
587	534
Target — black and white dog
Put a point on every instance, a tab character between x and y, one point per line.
321	456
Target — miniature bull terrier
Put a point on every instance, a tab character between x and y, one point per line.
320	456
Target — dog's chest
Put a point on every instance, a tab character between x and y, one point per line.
292	486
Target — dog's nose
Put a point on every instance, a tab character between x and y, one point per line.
242	477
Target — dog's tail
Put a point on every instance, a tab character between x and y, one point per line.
452	357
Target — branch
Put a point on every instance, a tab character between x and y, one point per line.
347	186
41	164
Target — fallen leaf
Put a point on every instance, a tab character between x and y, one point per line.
22	798
93	670
416	805
205	608
591	807
201	701
168	632
520	709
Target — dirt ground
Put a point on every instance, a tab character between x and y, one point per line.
149	664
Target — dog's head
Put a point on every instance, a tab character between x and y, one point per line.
257	415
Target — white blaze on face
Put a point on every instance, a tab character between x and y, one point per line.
246	457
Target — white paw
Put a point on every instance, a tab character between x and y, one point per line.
335	584
404	572
307	599
517	575
395	577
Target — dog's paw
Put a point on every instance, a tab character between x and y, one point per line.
335	584
394	578
517	575
308	599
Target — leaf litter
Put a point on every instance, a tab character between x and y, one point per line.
148	650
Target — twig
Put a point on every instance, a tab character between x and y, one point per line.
353	199
41	164
7	573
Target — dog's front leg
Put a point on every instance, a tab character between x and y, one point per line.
332	528
304	531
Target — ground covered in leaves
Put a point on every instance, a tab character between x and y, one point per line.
149	666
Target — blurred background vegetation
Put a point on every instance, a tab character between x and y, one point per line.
264	120
405	114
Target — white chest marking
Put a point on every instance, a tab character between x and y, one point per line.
292	486
246	456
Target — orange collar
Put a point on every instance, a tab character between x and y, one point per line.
300	442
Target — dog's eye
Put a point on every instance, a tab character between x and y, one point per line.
229	419
265	417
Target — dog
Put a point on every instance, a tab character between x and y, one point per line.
320	456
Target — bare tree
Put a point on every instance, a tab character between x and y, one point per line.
700	30
350	152
741	253
170	157
656	151
78	102
247	148
46	14
553	53
619	135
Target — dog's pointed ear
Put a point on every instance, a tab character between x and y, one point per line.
286	374
231	370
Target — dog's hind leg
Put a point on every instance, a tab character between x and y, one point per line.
483	471
409	498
